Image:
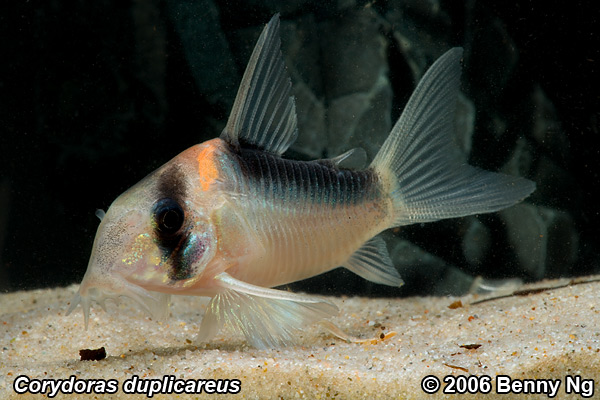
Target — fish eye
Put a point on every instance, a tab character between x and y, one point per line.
168	216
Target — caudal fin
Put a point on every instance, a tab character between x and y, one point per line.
418	159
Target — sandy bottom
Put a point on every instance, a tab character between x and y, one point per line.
548	335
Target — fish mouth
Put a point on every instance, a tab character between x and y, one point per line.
106	279
155	304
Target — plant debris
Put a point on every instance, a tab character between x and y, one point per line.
92	354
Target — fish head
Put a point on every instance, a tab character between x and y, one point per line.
155	239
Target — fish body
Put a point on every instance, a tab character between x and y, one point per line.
301	215
231	218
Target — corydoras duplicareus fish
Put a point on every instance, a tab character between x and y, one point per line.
231	218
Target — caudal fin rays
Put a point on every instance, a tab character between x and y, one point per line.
428	182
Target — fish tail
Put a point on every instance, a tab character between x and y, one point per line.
419	163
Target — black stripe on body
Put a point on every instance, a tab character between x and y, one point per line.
314	181
310	216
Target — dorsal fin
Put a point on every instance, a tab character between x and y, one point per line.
264	113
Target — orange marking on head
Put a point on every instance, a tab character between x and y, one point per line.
207	166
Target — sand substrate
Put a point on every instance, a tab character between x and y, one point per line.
536	338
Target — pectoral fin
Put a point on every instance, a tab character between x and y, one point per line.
267	317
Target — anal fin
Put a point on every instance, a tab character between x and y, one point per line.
373	263
267	317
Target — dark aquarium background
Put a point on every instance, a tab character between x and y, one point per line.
94	95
